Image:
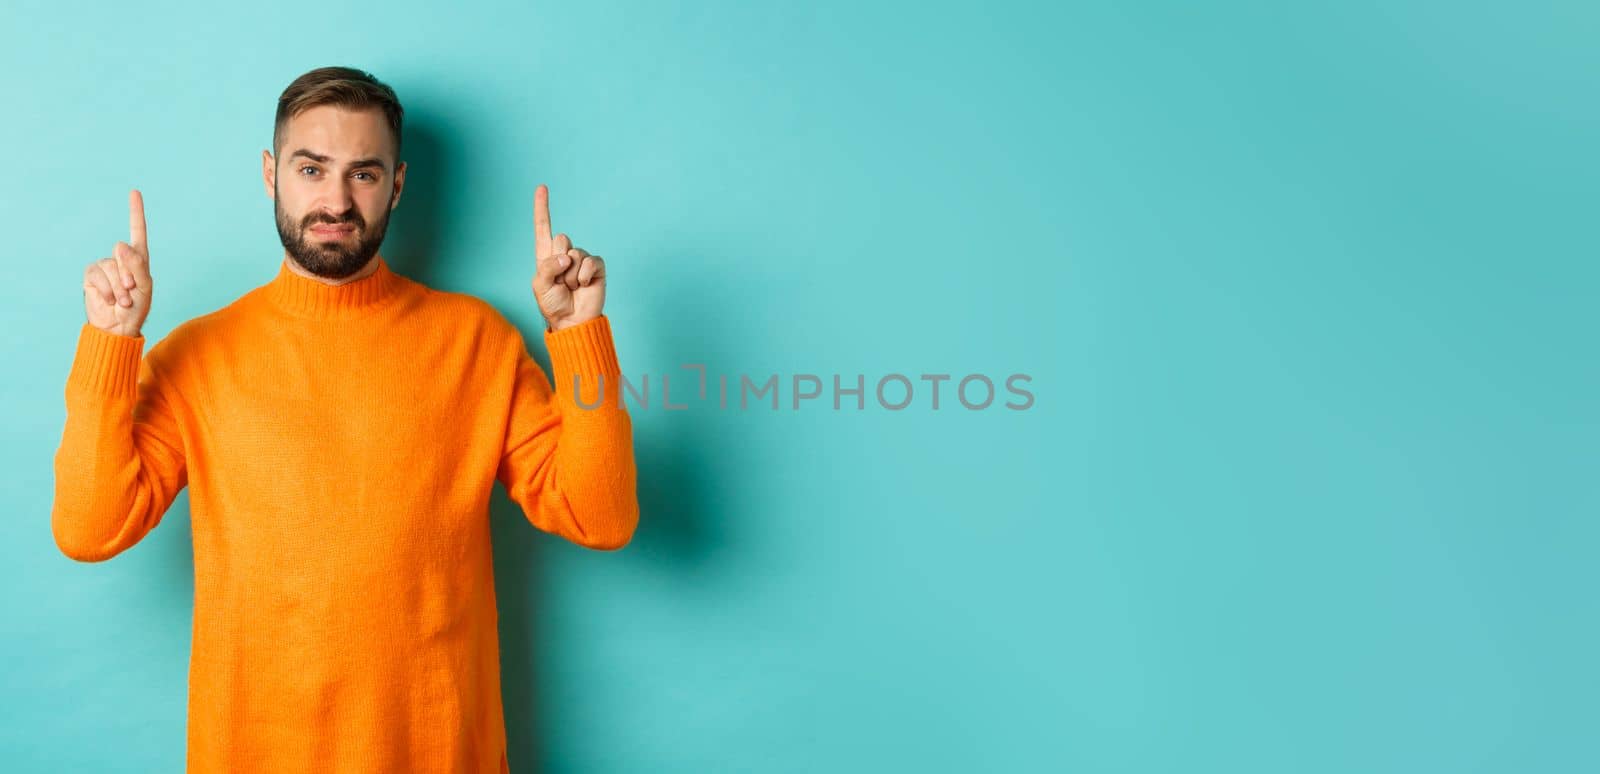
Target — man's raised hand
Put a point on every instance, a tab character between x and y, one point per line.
568	282
116	290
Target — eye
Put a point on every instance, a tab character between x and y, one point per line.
304	168
368	174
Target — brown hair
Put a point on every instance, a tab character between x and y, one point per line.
341	86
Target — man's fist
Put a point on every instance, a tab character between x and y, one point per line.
116	290
568	282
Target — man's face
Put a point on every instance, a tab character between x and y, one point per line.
333	185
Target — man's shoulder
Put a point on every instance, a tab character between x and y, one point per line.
195	329
189	336
464	309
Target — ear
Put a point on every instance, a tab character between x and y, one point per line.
269	173
399	184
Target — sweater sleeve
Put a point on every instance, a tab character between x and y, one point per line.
568	456
121	459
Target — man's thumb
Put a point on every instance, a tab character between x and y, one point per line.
549	269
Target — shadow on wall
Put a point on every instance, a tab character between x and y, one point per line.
417	225
675	509
672	464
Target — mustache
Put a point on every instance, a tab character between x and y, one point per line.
353	220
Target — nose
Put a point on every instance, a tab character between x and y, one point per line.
337	200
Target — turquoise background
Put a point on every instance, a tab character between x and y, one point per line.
1307	296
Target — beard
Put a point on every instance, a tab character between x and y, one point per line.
331	258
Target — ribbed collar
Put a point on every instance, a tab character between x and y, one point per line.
317	300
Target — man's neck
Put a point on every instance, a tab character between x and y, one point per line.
294	266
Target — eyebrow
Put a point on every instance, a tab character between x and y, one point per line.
321	159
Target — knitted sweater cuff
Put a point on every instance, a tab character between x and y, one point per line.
585	356
106	363
585	348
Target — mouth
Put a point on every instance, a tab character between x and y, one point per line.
332	232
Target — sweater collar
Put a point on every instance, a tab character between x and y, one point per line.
314	299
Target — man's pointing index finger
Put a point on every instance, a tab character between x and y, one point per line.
541	220
136	219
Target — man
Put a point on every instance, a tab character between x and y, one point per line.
341	428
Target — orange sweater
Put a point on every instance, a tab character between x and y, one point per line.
341	444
